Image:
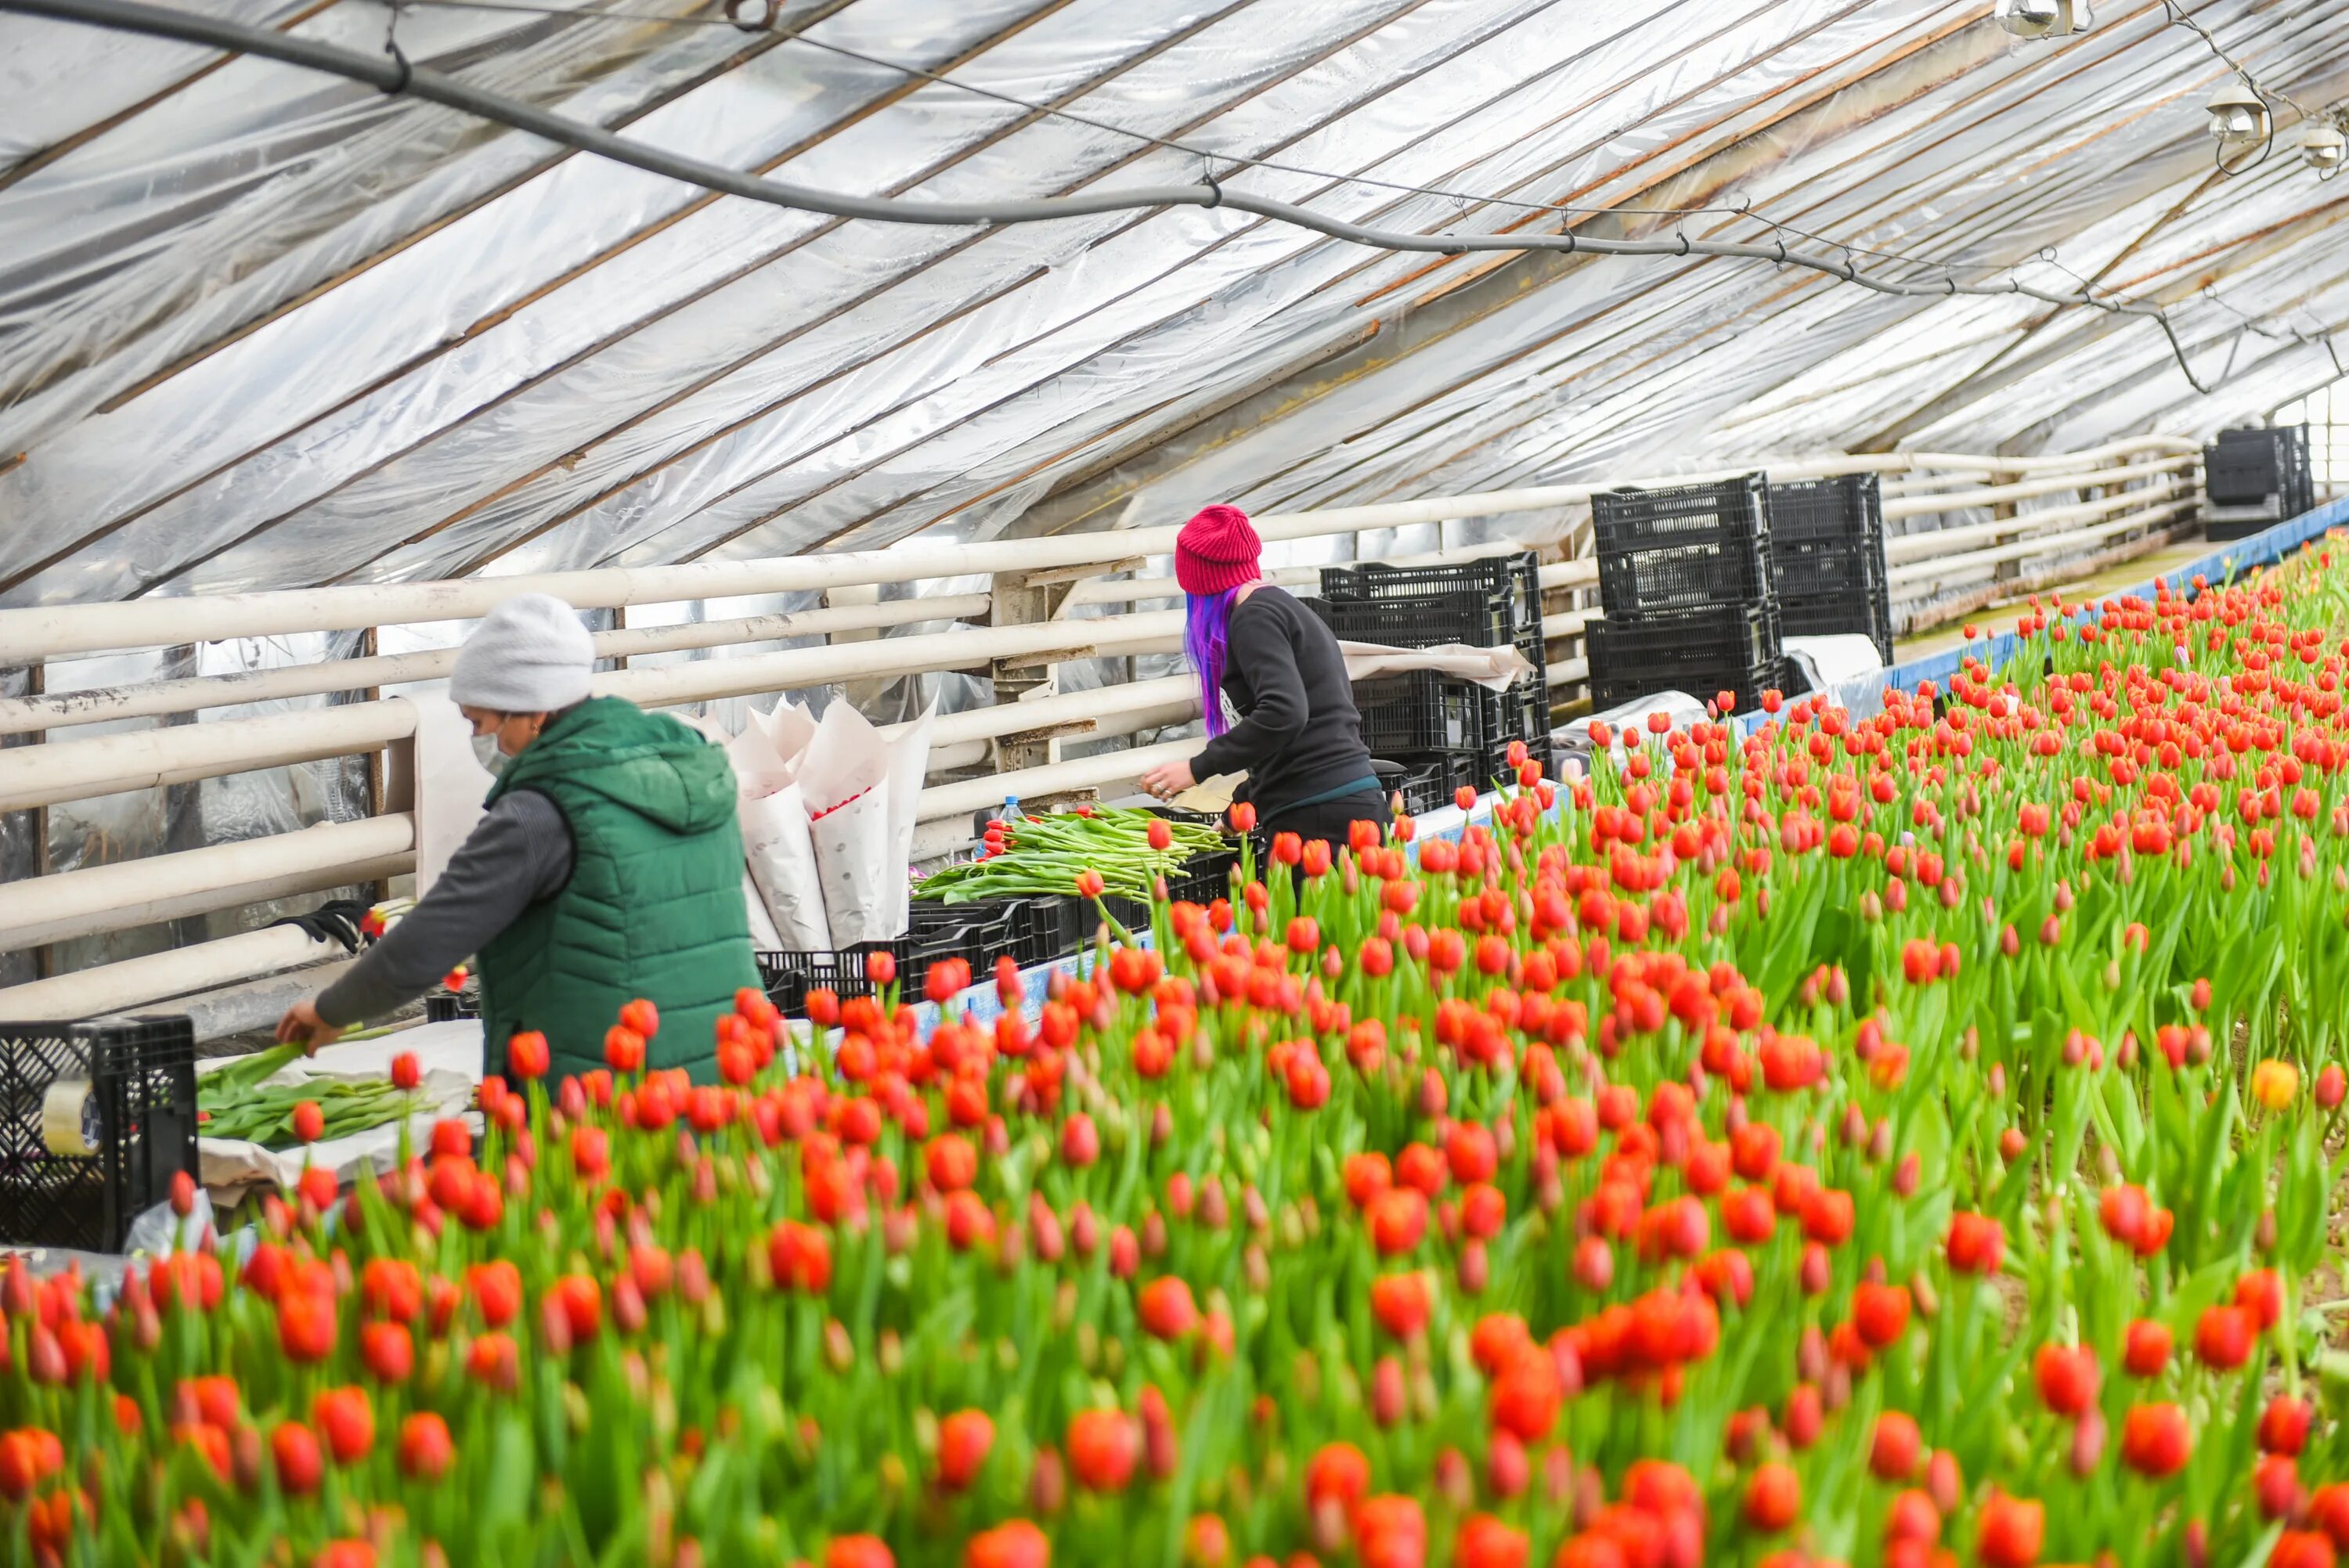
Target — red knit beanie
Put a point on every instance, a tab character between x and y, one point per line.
1216	550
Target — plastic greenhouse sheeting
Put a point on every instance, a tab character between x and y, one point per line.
260	327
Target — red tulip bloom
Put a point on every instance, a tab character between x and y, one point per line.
1166	1308
858	1551
2067	1379
294	1448
1401	1304
799	1258
2010	1532
1390	1533
2145	1349
1017	1544
1977	1245
964	1440
2156	1440
387	1350
1774	1497
1881	1312
1892	1455
1484	1541
425	1450
2224	1336
347	1420
1103	1447
2283	1425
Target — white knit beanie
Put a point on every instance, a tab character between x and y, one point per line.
530	655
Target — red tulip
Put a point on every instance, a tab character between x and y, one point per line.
425	1450
1892	1455
858	1551
1484	1541
964	1440
2067	1377
1103	1447
2283	1425
2156	1440
1881	1312
1401	1304
2224	1336
347	1420
293	1447
2010	1532
2146	1350
1390	1531
1016	1544
1774	1497
1166	1308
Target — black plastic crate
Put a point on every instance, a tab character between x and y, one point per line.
1201	880
1826	538
2239	472
445	1007
1688	547
977	932
1735	648
139	1115
1436	781
1420	711
1484	604
1520	713
1868	615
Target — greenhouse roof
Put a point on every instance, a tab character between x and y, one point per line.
262	326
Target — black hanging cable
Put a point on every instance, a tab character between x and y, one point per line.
395	76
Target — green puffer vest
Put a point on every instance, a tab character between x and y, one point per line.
654	906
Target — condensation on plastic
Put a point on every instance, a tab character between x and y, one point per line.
748	381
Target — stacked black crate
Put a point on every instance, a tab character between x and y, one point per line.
2254	477
1684	578
1826	559
1446	732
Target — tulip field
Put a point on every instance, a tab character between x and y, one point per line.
1905	1140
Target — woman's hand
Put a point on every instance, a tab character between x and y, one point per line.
1168	779
302	1026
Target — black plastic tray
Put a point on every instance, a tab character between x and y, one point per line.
140	1117
1735	648
1484	604
1687	547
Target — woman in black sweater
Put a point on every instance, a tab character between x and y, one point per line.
1297	736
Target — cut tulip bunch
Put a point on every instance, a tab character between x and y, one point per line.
1897	1139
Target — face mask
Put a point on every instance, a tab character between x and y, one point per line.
485	749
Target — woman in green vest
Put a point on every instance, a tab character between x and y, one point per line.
607	866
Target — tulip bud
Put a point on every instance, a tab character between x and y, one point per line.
1047	1484
2087	1442
1084	1230
1387	1391
1476	1269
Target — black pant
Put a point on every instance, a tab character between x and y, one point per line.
1329	819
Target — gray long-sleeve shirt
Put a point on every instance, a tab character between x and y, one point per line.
519	853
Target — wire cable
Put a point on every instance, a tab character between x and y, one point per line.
397	76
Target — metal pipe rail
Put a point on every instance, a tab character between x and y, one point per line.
150	699
55	631
114	897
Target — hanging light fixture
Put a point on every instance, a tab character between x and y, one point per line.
2044	18
2323	149
2238	116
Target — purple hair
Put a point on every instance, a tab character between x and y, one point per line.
1206	624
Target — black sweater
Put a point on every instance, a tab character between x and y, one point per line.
1299	733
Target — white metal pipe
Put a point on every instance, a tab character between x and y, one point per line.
969	795
137	982
55	631
1936	544
150	699
68	904
78	770
40	775
2050	545
2024	489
